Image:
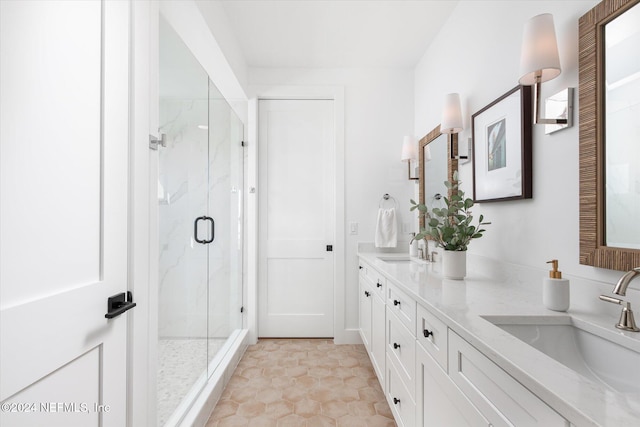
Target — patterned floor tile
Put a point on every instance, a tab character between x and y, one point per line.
303	383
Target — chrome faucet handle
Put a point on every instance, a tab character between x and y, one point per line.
627	322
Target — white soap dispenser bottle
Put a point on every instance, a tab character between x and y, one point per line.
555	289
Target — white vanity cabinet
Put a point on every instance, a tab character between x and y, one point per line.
378	341
431	375
372	287
366	298
401	355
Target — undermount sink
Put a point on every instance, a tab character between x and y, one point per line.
606	357
395	260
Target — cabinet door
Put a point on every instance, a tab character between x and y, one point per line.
500	397
439	402
378	340
365	314
399	397
401	348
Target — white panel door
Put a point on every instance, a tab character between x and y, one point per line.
64	133
296	171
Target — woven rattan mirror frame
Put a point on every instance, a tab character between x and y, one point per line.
593	249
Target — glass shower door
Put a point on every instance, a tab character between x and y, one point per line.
201	221
225	206
182	197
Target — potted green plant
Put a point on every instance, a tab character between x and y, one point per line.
451	228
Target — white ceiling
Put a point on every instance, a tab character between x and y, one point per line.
335	33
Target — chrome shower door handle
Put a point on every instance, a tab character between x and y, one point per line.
195	229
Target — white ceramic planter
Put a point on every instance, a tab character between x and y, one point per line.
454	264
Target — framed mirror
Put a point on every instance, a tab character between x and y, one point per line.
436	166
609	94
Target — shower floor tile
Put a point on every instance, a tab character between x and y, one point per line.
181	361
303	383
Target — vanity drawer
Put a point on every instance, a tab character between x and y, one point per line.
432	335
401	347
402	306
379	286
499	397
400	400
377	280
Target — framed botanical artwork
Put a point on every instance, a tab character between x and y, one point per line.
502	148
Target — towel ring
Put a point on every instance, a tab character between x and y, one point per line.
386	197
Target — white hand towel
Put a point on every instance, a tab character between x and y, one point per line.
386	229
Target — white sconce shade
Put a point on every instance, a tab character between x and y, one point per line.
451	114
539	55
409	149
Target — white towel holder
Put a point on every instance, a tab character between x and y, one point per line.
385	198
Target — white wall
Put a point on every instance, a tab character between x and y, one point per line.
378	113
477	54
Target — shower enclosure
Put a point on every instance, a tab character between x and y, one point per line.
200	196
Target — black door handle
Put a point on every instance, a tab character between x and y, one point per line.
427	332
118	304
195	229
213	229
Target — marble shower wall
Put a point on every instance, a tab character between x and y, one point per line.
200	174
182	195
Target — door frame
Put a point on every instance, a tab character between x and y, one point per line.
143	264
336	94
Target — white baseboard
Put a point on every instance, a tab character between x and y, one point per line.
348	336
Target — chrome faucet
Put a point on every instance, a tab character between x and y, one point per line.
627	321
623	283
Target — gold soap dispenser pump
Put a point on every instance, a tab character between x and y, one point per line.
555	289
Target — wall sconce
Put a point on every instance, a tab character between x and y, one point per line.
410	154
451	122
539	62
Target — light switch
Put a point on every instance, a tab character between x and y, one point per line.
353	228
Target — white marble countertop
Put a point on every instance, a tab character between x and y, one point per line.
461	303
